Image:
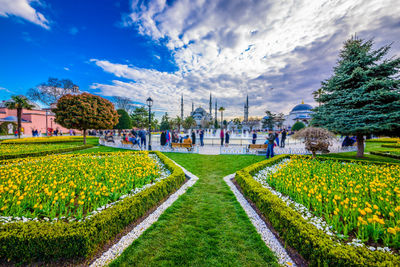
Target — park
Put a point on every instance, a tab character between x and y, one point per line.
93	178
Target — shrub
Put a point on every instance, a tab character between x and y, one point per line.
315	139
298	126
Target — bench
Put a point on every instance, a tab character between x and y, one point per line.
189	147
123	142
259	148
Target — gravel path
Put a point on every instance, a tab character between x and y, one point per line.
266	235
117	249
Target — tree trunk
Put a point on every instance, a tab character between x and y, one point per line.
360	145
313	154
19	119
84	136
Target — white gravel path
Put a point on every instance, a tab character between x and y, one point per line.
117	249
266	235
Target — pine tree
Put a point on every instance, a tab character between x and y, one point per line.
124	121
362	97
165	122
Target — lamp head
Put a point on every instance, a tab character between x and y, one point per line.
149	102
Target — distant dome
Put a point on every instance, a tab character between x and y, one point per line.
302	107
199	110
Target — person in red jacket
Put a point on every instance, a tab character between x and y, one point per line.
222	135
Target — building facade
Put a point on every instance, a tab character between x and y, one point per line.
301	112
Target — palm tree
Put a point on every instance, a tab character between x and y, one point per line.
221	109
189	122
18	102
317	94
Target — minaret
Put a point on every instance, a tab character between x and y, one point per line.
192	107
215	110
246	109
210	106
182	107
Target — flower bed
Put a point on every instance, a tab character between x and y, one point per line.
314	240
78	229
45	140
12	151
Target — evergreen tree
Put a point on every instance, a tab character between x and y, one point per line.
362	97
269	120
164	125
124	121
298	125
140	118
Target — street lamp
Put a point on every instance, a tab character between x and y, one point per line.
149	102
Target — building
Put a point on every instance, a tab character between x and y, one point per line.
201	117
34	119
301	112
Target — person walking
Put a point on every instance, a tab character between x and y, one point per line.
142	136
254	138
202	137
222	135
193	137
283	138
277	138
270	141
163	139
227	135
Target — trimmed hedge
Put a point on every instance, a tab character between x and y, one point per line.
392	146
46	241
313	244
44	153
385	154
383	140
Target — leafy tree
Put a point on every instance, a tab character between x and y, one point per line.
298	125
18	102
124	121
362	97
315	139
269	120
85	111
189	122
176	123
49	92
140	118
122	102
216	125
317	94
164	125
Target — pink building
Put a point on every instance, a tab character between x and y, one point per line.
34	119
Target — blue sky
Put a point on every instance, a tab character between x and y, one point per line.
278	53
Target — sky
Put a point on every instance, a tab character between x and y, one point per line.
276	52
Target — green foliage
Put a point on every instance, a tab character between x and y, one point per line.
189	122
362	97
124	121
389	154
298	125
85	111
269	120
44	153
140	118
313	244
165	122
216	124
4	127
32	240
391	145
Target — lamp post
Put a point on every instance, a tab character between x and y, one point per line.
47	127
149	102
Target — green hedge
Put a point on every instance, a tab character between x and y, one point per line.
385	154
44	153
383	140
32	241
313	244
391	146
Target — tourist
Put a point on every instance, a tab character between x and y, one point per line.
187	140
202	137
254	138
163	138
283	138
193	137
227	135
277	138
271	142
221	135
142	136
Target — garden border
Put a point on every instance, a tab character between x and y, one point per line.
313	244
45	241
383	154
43	153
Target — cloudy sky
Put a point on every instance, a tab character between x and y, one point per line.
277	52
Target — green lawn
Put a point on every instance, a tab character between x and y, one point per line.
204	227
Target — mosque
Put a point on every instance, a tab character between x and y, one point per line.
200	115
301	112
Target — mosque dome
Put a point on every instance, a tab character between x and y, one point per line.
302	107
199	111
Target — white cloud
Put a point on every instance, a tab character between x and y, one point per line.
23	9
66	68
234	48
6	90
